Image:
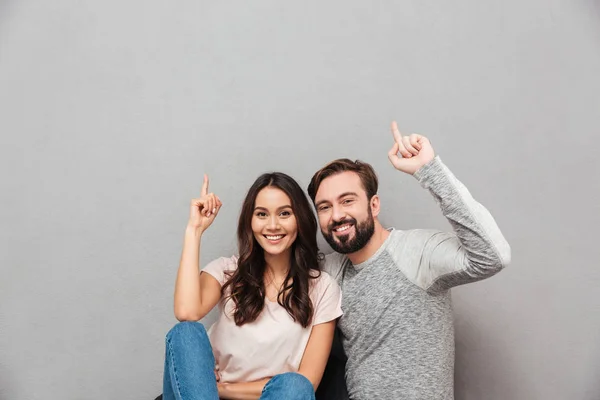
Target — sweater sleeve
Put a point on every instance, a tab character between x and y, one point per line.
474	251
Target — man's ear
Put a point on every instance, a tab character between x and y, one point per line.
375	205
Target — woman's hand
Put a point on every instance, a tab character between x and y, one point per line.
204	209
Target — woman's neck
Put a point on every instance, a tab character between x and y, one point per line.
278	265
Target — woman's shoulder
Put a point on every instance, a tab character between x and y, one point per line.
225	263
327	298
222	267
322	280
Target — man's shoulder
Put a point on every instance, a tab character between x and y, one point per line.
333	264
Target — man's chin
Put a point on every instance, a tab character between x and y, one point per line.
343	239
341	247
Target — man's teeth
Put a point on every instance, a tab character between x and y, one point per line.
343	228
274	237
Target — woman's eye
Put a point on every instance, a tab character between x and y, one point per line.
285	213
261	214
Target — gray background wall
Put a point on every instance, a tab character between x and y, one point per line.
110	112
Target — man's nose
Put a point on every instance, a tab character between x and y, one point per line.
338	213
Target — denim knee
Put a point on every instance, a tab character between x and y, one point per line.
187	328
293	385
295	379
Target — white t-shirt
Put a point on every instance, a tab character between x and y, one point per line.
273	343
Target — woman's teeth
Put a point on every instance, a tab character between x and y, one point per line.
274	237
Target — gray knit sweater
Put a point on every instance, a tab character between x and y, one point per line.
397	328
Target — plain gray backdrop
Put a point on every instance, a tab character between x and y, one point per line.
111	111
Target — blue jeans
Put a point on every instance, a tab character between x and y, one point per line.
190	370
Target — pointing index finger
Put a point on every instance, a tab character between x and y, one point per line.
204	190
396	133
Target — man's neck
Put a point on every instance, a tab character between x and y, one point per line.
379	236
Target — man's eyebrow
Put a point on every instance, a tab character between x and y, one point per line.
321	202
347	194
339	197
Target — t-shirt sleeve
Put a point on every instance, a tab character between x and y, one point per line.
329	300
220	268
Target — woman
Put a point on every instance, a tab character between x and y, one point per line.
277	310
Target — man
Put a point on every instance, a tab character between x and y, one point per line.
397	329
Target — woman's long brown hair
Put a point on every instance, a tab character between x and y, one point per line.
246	283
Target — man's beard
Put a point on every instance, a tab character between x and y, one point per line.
363	232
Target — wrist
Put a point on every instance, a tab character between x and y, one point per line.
428	169
193	231
223	390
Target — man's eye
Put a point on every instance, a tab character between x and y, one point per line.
323	208
347	201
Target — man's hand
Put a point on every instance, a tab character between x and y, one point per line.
415	149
